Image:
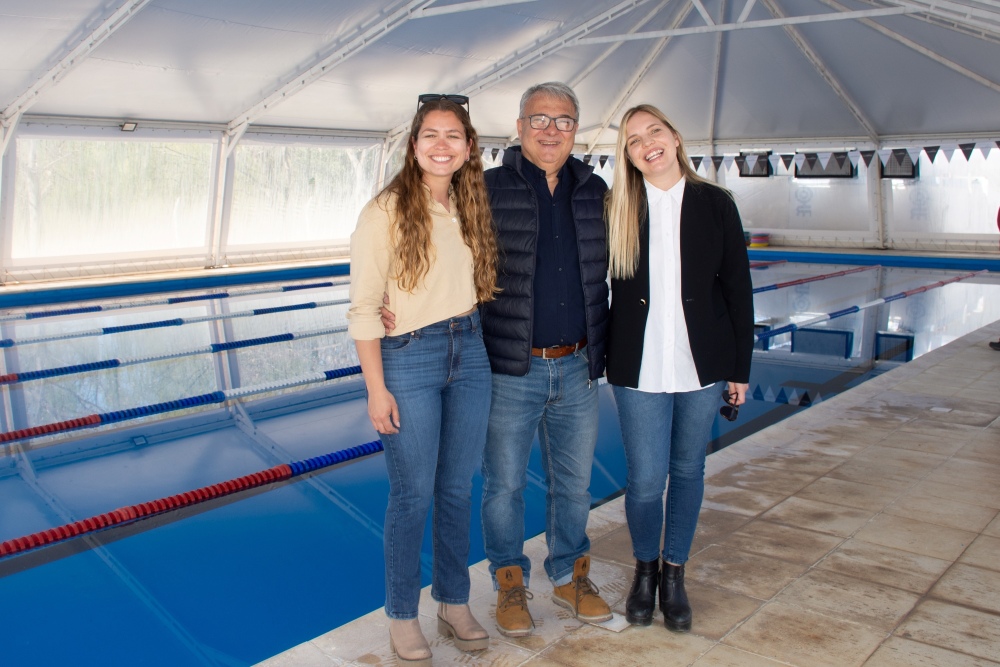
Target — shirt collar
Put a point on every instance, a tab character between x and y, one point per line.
654	195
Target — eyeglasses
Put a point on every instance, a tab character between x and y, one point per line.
540	121
729	411
460	100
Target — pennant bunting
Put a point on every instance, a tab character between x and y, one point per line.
867	157
883	155
787	160
603	160
811	160
741	162
824	159
775	160
611	162
696	161
495	152
800	159
840	159
948	151
967	150
914	154
854	157
728	161
717	161
752	159
932	152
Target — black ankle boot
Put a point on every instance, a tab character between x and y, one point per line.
642	598
673	598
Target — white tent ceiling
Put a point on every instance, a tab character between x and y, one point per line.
736	72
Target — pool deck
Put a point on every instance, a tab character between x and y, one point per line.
862	531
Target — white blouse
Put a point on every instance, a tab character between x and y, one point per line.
667	363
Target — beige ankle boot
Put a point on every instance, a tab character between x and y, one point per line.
407	641
456	620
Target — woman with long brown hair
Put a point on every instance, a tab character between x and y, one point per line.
681	322
427	241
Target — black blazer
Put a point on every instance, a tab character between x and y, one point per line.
715	287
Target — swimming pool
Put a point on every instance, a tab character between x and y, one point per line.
237	579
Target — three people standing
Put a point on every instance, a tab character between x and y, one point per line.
681	320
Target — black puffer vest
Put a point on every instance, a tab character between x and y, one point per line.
507	321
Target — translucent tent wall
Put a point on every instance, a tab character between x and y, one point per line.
149	135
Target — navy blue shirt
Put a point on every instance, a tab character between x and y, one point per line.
559	309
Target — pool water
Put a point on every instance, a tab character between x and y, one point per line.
238	579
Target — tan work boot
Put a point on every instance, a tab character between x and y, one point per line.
456	620
581	596
513	619
407	641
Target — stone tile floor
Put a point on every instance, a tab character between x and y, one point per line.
863	531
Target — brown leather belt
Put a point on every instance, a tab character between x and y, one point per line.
557	351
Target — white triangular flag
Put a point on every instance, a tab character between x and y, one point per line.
854	157
884	155
800	159
775	160
728	161
914	154
752	161
824	159
948	151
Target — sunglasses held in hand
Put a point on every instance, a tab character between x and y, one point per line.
729	411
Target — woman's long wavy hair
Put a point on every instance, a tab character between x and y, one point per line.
625	205
411	225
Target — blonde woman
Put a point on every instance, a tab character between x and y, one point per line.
681	322
427	241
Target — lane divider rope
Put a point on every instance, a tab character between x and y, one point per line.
788	328
90	421
175	322
42	374
812	279
140	303
133	513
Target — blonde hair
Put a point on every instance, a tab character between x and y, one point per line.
625	205
411	221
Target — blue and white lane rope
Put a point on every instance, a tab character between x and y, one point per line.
175	322
788	328
45	373
165	301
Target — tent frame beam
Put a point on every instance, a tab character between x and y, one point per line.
73	58
844	15
933	55
803	45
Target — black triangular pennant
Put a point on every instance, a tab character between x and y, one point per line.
587	158
811	160
841	158
717	161
967	149
867	157
495	152
603	159
696	161
932	152
787	161
741	162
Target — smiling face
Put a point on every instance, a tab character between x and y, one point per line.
652	149
547	149
441	147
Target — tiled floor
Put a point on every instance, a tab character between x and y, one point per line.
863	531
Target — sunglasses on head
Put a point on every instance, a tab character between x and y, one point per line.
729	411
460	100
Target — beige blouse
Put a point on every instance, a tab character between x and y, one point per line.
448	289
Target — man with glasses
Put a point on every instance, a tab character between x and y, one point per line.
545	336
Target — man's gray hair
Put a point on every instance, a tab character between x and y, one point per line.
553	88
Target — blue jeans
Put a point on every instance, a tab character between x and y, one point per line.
440	377
665	435
556	399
